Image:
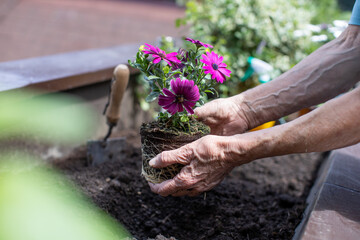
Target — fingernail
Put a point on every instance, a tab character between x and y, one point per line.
152	162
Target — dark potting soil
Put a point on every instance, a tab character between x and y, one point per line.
264	199
157	137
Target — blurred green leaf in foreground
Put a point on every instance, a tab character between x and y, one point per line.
36	202
49	117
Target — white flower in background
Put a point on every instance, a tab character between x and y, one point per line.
302	33
308	30
319	38
313	28
340	24
338	28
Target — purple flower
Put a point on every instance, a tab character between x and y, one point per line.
159	54
185	95
182	55
198	43
215	66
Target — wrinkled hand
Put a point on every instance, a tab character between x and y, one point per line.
207	161
224	116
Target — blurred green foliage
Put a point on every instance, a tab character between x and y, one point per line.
53	118
326	11
36	202
265	29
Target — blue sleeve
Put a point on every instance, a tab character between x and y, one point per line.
355	16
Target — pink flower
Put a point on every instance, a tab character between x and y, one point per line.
185	95
159	54
215	66
198	43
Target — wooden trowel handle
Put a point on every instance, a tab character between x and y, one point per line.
118	87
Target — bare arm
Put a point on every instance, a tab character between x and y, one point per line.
332	69
334	125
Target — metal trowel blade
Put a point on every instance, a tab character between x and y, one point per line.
102	151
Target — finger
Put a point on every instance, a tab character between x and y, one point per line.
168	185
152	187
206	117
171	186
165	188
201	112
181	155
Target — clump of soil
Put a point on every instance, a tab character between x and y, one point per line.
157	137
264	199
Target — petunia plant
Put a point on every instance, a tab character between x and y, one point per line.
180	80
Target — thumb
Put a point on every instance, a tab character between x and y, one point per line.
181	155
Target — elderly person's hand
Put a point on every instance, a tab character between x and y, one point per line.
207	161
224	116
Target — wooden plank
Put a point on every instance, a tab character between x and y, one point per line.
345	170
35	28
64	71
333	206
336	215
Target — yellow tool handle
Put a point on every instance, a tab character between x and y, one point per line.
118	87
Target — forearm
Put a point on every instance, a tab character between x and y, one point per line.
333	125
329	71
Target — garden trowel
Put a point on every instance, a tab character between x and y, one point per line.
99	151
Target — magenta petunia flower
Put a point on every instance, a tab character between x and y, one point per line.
198	43
215	66
159	54
185	95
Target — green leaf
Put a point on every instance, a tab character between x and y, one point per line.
154	87
184	118
138	56
175	72
45	205
55	117
160	82
138	66
163	116
179	22
152	77
166	69
212	91
152	96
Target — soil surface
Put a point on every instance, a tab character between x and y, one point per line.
264	199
